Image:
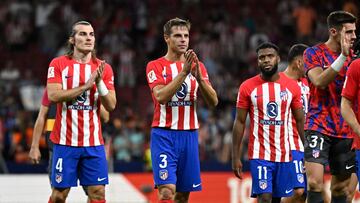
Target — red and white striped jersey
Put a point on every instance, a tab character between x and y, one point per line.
294	138
269	105
180	112
77	122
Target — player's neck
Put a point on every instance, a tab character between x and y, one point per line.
292	73
271	78
81	57
333	45
172	56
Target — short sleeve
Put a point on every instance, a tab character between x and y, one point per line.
243	98
45	99
154	75
108	77
54	72
204	73
351	83
311	59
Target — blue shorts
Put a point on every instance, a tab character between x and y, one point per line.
88	164
298	177
175	158
271	177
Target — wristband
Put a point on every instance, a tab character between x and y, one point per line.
102	89
338	63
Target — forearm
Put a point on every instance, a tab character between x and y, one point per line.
299	119
38	129
60	95
324	79
109	101
349	115
208	93
237	136
166	92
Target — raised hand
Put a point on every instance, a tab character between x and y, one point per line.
195	70
189	60
345	42
100	71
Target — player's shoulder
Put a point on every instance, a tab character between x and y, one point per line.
320	47
251	82
156	61
60	59
285	80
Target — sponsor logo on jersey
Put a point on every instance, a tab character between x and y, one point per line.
152	76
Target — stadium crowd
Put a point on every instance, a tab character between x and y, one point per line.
224	35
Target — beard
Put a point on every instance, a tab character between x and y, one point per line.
269	73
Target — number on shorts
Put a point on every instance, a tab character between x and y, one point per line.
314	141
163	161
299	166
260	172
59	165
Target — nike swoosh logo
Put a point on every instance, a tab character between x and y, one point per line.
349	167
196	185
288	191
101	179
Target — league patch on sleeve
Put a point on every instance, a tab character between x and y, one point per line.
51	72
151	76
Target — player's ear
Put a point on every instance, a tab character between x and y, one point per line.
71	40
166	38
333	31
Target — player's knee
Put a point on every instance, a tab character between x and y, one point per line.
166	193
58	197
299	192
315	185
96	192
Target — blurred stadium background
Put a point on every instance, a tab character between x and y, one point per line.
129	34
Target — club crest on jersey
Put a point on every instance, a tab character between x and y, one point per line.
300	178
81	98
316	153
263	184
272	109
163	174
58	177
182	91
283	95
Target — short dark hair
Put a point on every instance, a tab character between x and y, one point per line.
175	22
336	19
266	45
296	50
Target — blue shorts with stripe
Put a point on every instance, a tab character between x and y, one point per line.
175	158
70	164
271	177
298	173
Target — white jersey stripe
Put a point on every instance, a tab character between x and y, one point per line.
291	132
162	122
175	109
96	120
288	108
266	128
195	105
74	113
64	109
187	108
86	117
277	91
255	132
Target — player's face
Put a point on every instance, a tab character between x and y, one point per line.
84	39
350	34
268	60
300	64
178	41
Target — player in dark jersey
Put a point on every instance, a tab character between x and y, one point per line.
328	138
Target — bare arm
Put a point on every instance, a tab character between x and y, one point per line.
238	134
109	100
34	153
321	78
208	93
104	114
299	118
57	94
349	116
